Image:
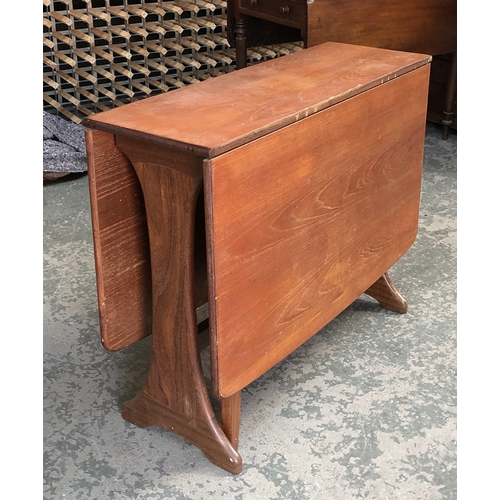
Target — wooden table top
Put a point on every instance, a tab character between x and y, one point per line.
217	115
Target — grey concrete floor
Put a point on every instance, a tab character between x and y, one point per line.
364	409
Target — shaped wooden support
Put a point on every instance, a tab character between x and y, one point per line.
175	396
386	294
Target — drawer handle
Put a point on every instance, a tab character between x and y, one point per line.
253	2
284	10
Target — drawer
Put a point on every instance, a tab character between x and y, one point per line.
288	12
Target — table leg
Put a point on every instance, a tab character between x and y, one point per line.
230	417
175	396
386	294
450	96
240	31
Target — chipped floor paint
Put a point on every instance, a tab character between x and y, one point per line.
364	409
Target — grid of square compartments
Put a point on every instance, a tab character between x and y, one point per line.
99	54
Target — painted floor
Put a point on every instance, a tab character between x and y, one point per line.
364	409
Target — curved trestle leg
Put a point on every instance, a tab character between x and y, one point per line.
386	294
175	396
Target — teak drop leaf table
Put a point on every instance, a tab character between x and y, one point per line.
277	193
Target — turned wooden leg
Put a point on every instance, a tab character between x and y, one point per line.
240	32
450	96
230	417
386	294
175	396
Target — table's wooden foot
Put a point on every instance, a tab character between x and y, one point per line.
205	433
175	396
386	294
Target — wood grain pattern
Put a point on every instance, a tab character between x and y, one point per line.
304	220
175	396
218	115
299	221
120	244
424	26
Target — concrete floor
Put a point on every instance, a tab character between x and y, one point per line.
364	409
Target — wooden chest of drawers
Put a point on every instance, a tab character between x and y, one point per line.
286	12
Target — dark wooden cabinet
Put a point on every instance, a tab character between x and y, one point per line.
443	90
286	12
421	26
